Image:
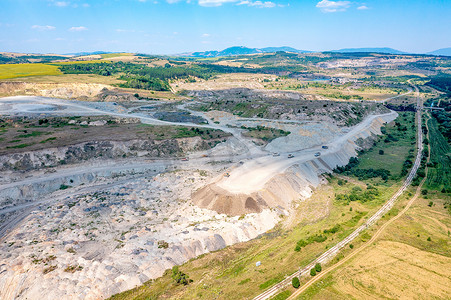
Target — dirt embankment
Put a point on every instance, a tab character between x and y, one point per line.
292	183
285	105
53	157
79	91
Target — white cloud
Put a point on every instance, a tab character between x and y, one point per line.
86	5
62	3
79	28
43	27
363	7
267	4
205	35
214	2
327	6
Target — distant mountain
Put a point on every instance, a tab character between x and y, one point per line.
443	51
284	49
370	50
88	53
240	50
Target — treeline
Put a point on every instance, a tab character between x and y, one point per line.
29	59
442	83
443	118
352	169
154	78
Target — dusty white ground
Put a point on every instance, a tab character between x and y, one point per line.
113	235
110	233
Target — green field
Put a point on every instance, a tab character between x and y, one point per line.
396	149
111	55
439	176
81	62
25	70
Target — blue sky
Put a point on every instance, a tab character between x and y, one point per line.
175	26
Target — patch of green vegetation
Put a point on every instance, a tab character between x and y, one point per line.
111	55
282	295
317	238
248	110
64	187
48	140
397	145
266	134
19	146
179	277
32	134
271	282
439	173
338	95
244	281
358	194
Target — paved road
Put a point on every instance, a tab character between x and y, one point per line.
329	254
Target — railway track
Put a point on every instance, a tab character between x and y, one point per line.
329	254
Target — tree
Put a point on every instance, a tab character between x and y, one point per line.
381	152
318	267
180	277
295	282
312	272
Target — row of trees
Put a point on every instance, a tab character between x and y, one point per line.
316	269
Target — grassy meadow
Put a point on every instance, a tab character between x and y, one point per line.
25	70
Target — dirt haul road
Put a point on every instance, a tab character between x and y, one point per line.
252	175
329	254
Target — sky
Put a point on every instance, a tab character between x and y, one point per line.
177	26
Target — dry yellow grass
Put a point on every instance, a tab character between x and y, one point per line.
25	70
396	270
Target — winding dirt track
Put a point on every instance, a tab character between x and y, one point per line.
329	254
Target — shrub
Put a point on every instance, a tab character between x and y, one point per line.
312	272
163	245
351	246
180	277
64	187
318	267
295	282
429	239
49	269
332	230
